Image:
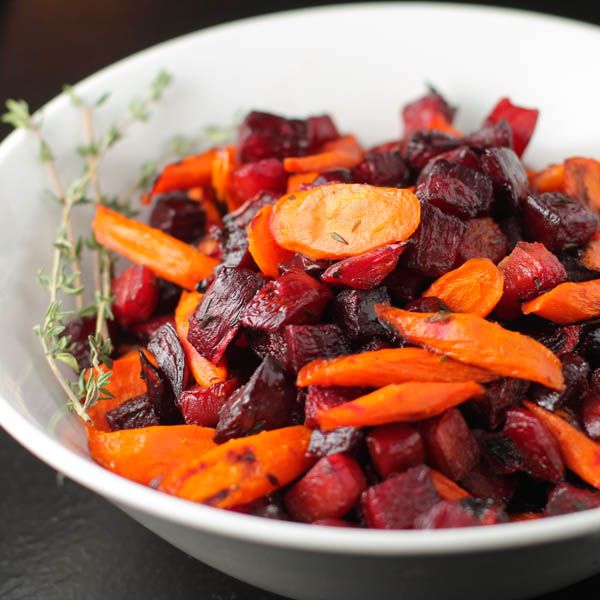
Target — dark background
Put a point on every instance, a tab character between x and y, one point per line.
57	540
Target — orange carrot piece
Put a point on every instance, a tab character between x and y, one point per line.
567	302
446	488
526	516
384	367
475	287
580	453
591	254
405	402
475	341
144	454
223	165
582	181
440	123
192	171
551	179
243	469
213	216
204	372
265	251
341	220
168	257
342	153
295	181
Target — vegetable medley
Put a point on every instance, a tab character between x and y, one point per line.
399	337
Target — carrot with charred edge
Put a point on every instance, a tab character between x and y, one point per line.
265	251
551	179
567	302
475	287
344	152
446	488
340	220
213	216
473	340
189	172
243	469
296	181
384	367
582	181
591	254
579	452
144	454
527	516
223	164
405	402
204	372
168	257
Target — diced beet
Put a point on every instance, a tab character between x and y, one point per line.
483	239
144	331
325	443
590	413
566	498
305	343
178	216
531	495
303	263
386	169
354	312
497	135
169	354
483	483
365	271
168	296
321	129
267	508
529	270
329	490
136	295
160	393
422	146
395	448
562	340
399	500
508	176
293	298
499	452
405	285
451	447
269	344
333	523
512	228
456	190
328	177
322	398
558	221
468	512
576	271
426	304
78	329
521	120
419	114
251	179
201	405
436	242
387	146
265	402
591	347
500	395
132	414
215	322
463	155
538	449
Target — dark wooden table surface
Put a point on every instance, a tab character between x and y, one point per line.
59	541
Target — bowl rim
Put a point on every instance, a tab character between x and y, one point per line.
260	530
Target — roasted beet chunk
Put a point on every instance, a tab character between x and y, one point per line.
168	296
395	448
521	120
436	242
483	483
498	135
265	402
405	285
136	295
399	500
557	221
536	445
451	447
179	216
566	498
355	313
308	265
590	411
386	169
508	176
216	320
421	113
305	343
483	239
456	190
422	146
321	129
529	270
591	347
263	176
576	271
329	490
293	298
78	329
325	443
167	350
562	340
499	396
328	177
499	452
132	414
201	406
160	393
322	398
144	331
468	512
463	155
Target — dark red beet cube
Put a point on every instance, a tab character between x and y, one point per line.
365	271
160	393
399	500
293	298
328	491
169	354
78	329
251	179
321	129
328	177
590	414
405	285
483	483
426	304
499	452
269	344
483	239
591	347
395	448
463	155
322	398
422	146
201	406
267	401
456	190
536	445
558	221
385	169
136	295
168	296
325	443
451	447
303	263
468	512
354	312
216	321
512	228
521	120
500	395
529	270
132	414
508	176
420	113
566	498
497	135
305	343
144	331
562	340
179	217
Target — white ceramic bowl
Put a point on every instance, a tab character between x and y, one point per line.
361	63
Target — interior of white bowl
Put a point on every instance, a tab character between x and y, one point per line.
361	63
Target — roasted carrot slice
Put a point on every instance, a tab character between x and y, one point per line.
582	181
168	257
295	181
265	251
446	488
340	220
591	255
243	469
579	452
213	216
406	402
224	162
551	179
475	287
344	152
440	123
475	341
144	454
567	302
384	367
204	372
190	172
